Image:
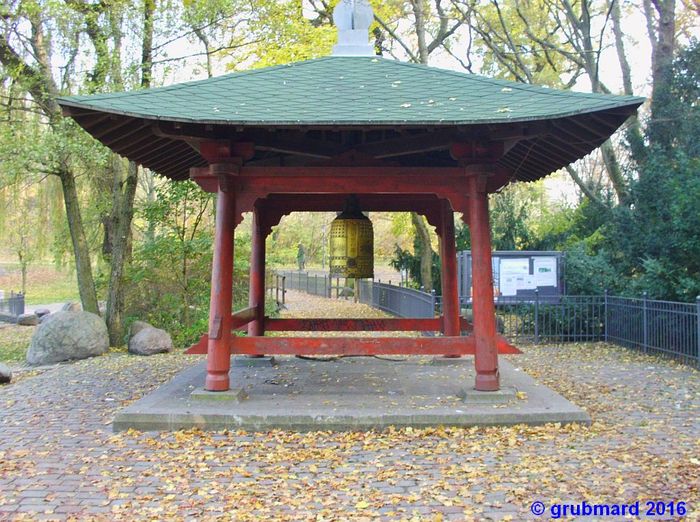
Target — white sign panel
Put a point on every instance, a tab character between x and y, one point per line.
519	266
545	269
515	275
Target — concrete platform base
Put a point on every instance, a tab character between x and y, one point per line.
358	393
253	362
234	394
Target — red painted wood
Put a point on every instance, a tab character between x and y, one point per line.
200	347
358	346
220	320
243	317
257	277
504	347
486	360
477	151
338	172
214	150
448	254
358	325
303	184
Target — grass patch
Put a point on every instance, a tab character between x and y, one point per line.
14	341
45	284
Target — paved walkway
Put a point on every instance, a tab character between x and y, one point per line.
59	459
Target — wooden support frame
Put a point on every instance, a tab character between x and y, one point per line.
484	311
359	325
220	318
256	298
448	258
358	346
437	191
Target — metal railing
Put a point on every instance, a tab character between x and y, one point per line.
313	284
661	327
11	306
397	300
570	319
655	327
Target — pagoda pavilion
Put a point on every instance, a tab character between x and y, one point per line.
399	136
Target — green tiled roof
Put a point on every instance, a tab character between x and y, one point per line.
350	91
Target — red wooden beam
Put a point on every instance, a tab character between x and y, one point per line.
359	346
354	346
327	172
358	325
243	317
200	347
218	355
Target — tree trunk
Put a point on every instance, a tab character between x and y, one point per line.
426	254
121	241
83	268
661	125
615	173
419	14
123	196
421	229
634	132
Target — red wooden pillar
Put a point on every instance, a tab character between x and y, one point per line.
448	257
219	344
486	358
257	276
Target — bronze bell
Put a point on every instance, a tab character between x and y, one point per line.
352	243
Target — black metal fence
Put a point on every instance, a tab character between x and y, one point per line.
655	327
397	300
313	284
11	306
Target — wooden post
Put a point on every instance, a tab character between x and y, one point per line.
486	356
448	255
219	344
257	276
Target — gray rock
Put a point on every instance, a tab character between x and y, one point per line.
41	312
137	326
28	320
150	341
72	307
5	374
68	335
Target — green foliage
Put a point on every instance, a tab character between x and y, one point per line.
518	41
590	274
168	280
283	35
655	242
405	260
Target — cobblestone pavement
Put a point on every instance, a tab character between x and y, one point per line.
59	459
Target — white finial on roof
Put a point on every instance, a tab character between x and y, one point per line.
353	18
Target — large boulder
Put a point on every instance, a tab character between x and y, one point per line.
150	341
137	326
5	374
41	312
68	335
72	307
28	320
